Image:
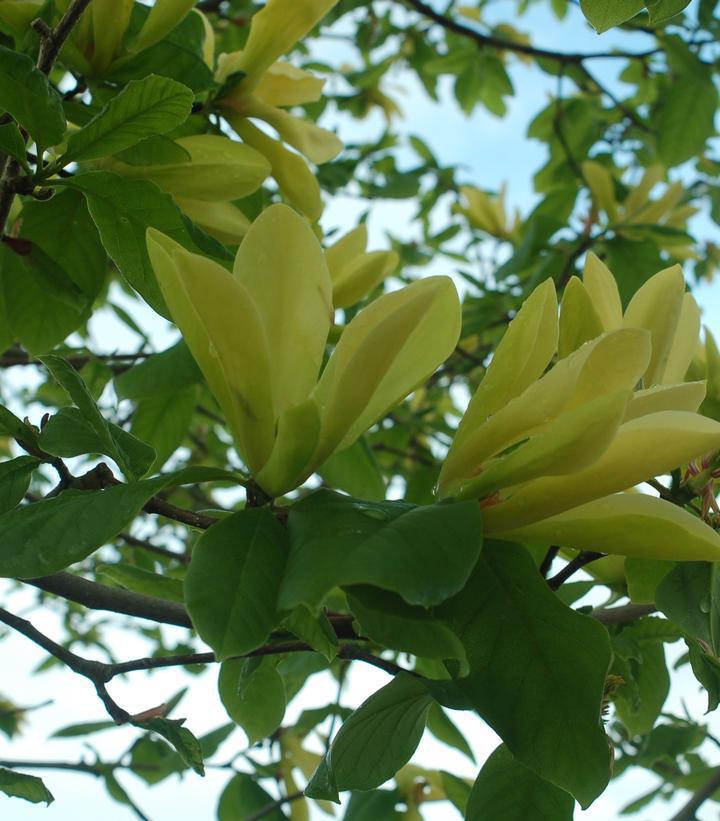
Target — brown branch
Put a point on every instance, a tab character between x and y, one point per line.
583	558
143	544
270	808
622	615
699	797
521	48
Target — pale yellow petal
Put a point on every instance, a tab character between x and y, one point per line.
386	351
109	20
656	307
274	30
284	85
644	447
684	343
226	336
317	144
601	185
628	524
686	396
579	321
361	275
222	220
348	247
220	170
282	266
603	291
639	195
297	183
164	16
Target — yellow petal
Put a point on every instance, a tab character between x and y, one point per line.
654	211
348	247
657	306
712	359
297	183
579	320
628	524
601	185
222	220
225	334
284	85
109	19
209	41
274	30
522	355
481	212
687	396
361	275
684	342
220	169
18	14
607	364
163	17
638	196
281	265
386	351
644	447
573	441
317	144
603	291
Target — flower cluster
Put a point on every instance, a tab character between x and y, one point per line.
549	454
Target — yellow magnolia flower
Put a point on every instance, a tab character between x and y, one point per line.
259	336
354	271
260	87
218	171
488	213
18	14
97	41
548	453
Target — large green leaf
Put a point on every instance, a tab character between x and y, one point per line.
533	662
442	727
163	422
511	791
425	554
684	117
20	785
689	595
26	94
605	14
50	535
12	142
376	741
661	10
639	701
153	105
179	737
123	209
355	471
166	372
254	695
232	583
242	797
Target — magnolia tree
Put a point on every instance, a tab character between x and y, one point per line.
340	461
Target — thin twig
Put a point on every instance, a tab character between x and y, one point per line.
699	797
270	808
583	558
546	563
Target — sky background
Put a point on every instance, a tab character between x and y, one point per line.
491	152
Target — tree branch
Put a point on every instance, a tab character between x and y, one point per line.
688	812
583	558
622	615
270	808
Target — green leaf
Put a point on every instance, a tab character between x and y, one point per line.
153	105
509	790
605	14
374	806
143	581
706	669
26	94
425	554
12	143
243	797
29	787
314	630
47	536
377	740
123	209
179	738
11	426
385	618
49	224
68	433
232	583
689	596
355	471
661	10
163	422
684	117
132	456
639	702
166	372
643	576
253	693
441	726
456	789
15	479
533	662
86	728
155	150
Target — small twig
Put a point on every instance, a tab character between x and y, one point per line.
270	808
143	544
546	563
622	615
699	797
53	39
583	558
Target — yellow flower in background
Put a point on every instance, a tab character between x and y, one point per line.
259	336
216	171
549	453
353	270
260	87
488	213
18	14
